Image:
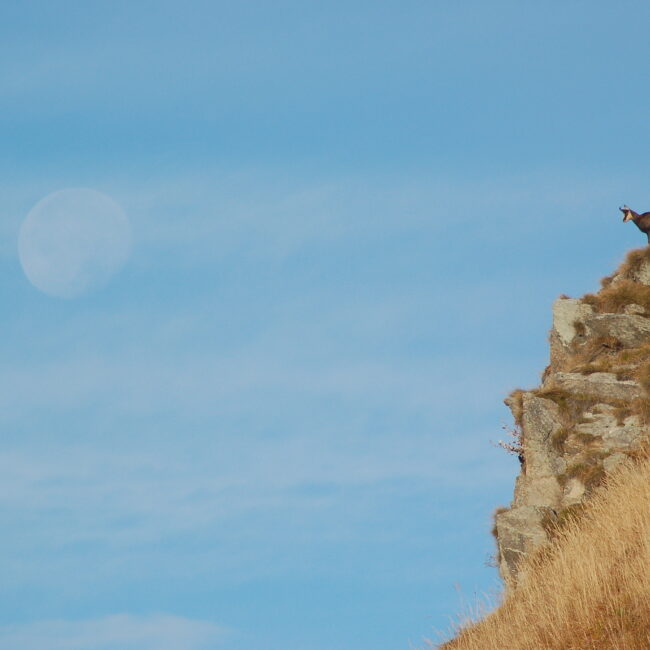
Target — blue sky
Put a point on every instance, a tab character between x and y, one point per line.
273	428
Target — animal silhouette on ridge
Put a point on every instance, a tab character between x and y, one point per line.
642	221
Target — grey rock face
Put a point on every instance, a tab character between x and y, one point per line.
634	309
577	427
519	530
574	492
539	485
613	461
599	385
566	313
613	435
630	330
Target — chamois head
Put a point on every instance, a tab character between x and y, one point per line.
628	213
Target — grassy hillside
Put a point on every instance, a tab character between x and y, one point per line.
587	589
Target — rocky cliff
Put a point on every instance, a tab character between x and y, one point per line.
591	411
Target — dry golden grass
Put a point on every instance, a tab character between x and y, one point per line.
516	405
641	408
588	589
630	266
613	298
598	354
633	261
590	472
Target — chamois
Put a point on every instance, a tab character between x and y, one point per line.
642	221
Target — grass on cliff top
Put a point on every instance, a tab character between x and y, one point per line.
614	296
630	266
589	589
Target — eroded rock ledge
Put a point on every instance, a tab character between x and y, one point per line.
591	411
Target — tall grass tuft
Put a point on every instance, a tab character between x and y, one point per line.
588	589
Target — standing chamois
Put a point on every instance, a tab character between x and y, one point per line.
642	221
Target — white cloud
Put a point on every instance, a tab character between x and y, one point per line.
117	632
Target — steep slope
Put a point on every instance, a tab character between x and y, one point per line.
587	589
591	411
574	545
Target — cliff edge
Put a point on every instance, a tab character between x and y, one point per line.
591	411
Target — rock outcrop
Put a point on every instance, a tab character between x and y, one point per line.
590	413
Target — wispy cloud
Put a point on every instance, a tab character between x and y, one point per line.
135	493
213	215
117	632
214	385
216	214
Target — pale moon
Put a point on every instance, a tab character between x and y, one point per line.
73	241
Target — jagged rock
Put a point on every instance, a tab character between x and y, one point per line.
630	330
634	309
599	385
540	421
574	491
614	435
559	465
626	437
566	313
613	461
519	531
578	427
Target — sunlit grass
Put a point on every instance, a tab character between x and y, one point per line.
589	588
